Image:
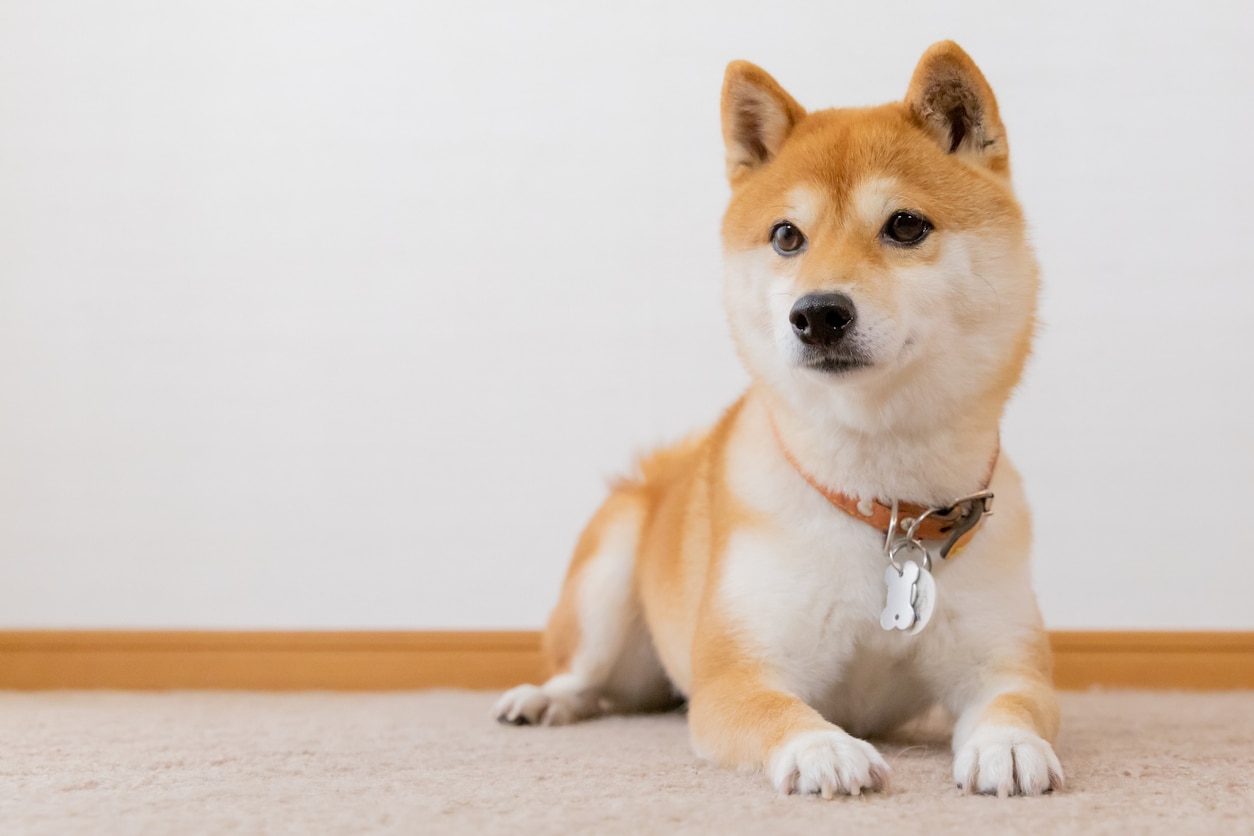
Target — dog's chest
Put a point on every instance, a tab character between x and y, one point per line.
810	597
874	691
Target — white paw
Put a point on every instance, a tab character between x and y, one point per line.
828	762
531	705
1007	761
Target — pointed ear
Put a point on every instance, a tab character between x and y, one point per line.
758	115
949	96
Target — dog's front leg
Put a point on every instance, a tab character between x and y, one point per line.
1002	740
740	719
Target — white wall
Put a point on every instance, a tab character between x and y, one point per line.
337	315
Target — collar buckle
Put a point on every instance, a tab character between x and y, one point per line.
960	518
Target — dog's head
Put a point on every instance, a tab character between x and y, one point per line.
876	254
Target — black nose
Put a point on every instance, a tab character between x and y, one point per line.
822	318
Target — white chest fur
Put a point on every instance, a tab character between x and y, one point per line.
807	593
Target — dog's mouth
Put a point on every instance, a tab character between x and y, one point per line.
834	364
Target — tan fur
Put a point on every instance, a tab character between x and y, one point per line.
1029	710
703	518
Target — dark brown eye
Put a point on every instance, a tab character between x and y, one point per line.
787	239
906	229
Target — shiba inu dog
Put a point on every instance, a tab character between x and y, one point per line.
821	564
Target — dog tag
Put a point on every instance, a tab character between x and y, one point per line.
911	598
924	601
899	611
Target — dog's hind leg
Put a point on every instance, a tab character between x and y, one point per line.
597	646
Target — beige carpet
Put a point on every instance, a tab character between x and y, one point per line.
118	763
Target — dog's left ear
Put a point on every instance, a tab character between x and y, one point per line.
953	102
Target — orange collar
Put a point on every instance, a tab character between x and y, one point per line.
935	526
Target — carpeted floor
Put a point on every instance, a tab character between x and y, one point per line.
422	763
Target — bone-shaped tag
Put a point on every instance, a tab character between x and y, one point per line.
911	598
899	611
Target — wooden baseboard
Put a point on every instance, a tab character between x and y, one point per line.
377	661
267	661
1191	661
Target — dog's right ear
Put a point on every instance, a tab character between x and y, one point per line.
758	115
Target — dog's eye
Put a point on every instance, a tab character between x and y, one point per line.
906	229
787	239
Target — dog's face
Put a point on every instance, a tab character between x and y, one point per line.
879	249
